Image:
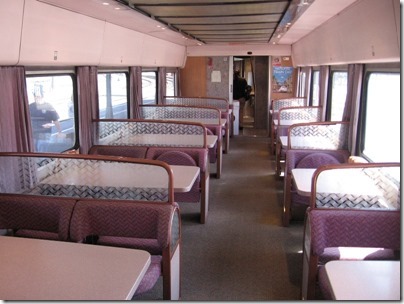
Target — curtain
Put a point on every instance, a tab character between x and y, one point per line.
324	75
87	87
161	84
351	110
178	93
15	122
135	91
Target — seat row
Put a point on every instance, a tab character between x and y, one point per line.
154	227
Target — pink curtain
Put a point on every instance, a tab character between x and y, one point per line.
87	87
135	91
161	82
15	122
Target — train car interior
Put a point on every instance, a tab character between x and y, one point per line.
200	150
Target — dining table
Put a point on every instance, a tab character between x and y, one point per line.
36	269
364	280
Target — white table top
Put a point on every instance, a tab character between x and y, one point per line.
342	181
305	142
364	280
127	175
160	140
289	122
33	269
204	121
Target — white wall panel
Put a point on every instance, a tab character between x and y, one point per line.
239	50
121	46
364	32
156	52
124	47
76	38
10	30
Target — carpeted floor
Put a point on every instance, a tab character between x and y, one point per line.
242	253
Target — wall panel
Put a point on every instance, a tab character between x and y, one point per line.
364	32
11	13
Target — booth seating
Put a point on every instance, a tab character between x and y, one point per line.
306	158
290	116
210	117
155	228
220	103
176	143
312	135
278	104
338	234
354	214
95	210
36	217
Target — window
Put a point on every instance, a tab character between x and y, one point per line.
302	84
315	88
381	136
171	79
52	108
113	95
149	87
338	94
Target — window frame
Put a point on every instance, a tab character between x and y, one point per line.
117	71
155	71
333	69
389	68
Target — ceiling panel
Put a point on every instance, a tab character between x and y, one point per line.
217	21
196	22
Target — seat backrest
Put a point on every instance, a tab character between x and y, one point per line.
131	224
354	228
315	160
36	216
294	157
126	151
199	155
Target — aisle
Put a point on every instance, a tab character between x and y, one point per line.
242	252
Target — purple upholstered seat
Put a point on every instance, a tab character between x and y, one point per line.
213	150
305	159
126	151
346	234
154	227
188	157
36	216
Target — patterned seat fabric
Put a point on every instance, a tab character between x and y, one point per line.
36	216
183	159
129	224
343	234
305	159
213	150
126	151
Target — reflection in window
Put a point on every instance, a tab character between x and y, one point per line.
315	88
52	112
113	95
338	95
149	87
170	84
382	118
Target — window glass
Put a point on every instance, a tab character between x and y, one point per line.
113	95
338	95
315	88
51	109
302	84
170	84
149	87
382	118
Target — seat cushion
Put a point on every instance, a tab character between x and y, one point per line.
315	160
151	276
